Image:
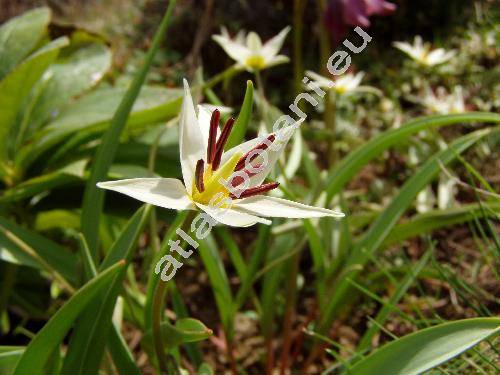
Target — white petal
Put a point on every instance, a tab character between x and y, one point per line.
162	192
235	50
273	45
191	144
254	43
273	152
277	60
231	217
324	82
276	207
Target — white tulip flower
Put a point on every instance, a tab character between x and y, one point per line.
228	186
423	54
249	52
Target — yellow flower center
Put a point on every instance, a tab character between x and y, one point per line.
212	183
255	62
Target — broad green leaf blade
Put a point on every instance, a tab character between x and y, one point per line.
9	356
37	354
71	75
15	88
241	123
93	198
371	241
427	348
93	112
90	334
352	164
33	250
20	35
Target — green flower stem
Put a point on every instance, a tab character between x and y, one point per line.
229	72
166	363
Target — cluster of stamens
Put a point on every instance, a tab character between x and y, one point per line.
215	149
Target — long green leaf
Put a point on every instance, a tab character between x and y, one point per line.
33	250
93	198
218	279
427	348
90	116
79	71
91	333
432	220
38	352
384	312
15	88
20	35
9	356
382	226
352	164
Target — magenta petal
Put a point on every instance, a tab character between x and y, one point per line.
379	7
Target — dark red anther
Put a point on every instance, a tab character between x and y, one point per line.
212	136
221	142
261	146
198	179
238	180
256	190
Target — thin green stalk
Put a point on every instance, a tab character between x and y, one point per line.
291	296
298	27
229	72
167	363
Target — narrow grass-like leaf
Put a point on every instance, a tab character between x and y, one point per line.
185	330
37	354
91	333
382	315
218	279
94	197
427	348
352	164
34	250
371	241
429	221
154	278
258	256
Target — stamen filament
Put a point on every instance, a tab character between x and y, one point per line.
200	167
221	142
261	146
256	190
212	137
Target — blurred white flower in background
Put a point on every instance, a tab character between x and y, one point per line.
346	84
443	103
249	52
422	53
